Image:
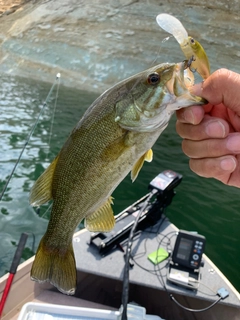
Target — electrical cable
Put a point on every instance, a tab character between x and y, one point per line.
162	282
194	310
157	270
210	289
28	138
125	293
143	253
158	273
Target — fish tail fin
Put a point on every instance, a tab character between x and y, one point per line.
56	267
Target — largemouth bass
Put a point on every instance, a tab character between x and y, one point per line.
114	137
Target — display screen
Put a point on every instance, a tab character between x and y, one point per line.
161	182
184	249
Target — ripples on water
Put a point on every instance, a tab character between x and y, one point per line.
203	205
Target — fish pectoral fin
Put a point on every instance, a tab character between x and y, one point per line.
115	149
102	220
148	156
41	191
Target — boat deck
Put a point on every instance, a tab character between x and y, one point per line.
100	282
148	285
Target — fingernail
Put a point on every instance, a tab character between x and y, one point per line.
228	164
215	129
188	116
233	144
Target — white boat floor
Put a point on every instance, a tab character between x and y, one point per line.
49	296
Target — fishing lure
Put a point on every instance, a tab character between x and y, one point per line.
190	46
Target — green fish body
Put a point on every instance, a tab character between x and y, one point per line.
114	137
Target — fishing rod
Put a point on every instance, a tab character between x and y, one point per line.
125	292
13	269
162	186
24	236
29	136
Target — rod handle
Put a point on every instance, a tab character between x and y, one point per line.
18	253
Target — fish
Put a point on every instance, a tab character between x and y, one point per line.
114	137
190	46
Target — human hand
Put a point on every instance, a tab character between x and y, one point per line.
212	133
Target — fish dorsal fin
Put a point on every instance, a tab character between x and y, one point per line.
102	220
138	165
41	191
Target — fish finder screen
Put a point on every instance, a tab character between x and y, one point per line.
184	249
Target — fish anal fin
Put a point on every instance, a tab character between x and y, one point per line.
55	267
102	220
41	191
138	165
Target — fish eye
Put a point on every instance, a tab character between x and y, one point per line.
153	78
192	41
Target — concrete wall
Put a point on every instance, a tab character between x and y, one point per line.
96	43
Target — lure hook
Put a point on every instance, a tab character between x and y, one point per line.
190	61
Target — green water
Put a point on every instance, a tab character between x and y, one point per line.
204	205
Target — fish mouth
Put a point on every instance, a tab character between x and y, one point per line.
177	87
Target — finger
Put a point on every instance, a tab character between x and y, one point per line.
221	87
212	148
222	169
209	128
193	114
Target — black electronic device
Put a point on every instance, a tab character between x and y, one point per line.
186	259
188	249
105	241
165	181
152	213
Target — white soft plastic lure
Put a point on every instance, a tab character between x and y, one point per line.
190	47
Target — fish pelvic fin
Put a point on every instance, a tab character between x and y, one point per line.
56	267
102	220
41	191
148	156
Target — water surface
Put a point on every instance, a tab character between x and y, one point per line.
202	205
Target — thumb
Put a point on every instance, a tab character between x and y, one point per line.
222	86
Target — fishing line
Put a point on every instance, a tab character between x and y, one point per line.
46	211
158	54
29	137
54	111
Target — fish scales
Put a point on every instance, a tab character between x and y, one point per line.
114	137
